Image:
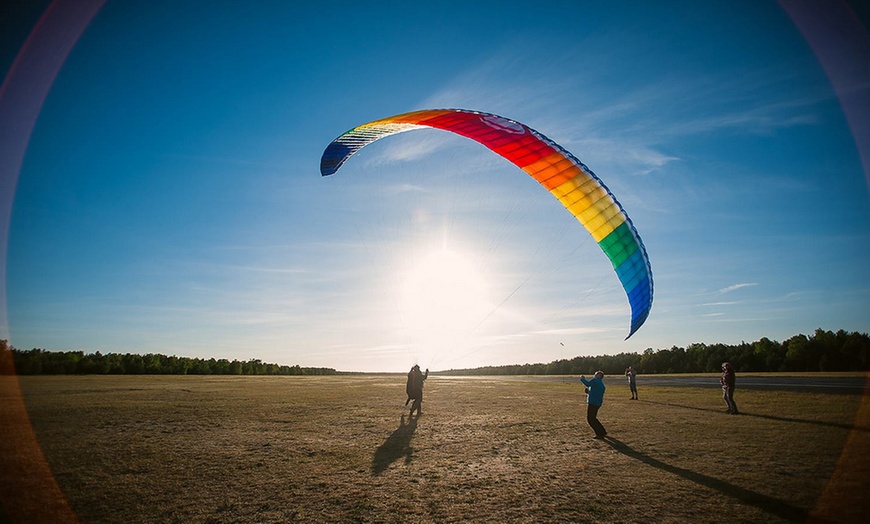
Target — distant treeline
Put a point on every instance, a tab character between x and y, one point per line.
41	362
822	351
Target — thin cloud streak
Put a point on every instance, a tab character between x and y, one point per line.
735	287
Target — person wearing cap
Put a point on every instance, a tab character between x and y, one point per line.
594	400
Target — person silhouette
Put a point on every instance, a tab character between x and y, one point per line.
414	389
728	381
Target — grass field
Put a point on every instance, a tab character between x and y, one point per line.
338	449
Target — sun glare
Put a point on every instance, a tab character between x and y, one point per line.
444	299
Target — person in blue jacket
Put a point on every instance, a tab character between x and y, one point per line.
594	399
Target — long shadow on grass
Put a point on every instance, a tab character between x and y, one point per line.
770	417
397	445
746	496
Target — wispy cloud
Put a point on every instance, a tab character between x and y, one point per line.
735	287
263	269
630	130
592	130
403	149
398	189
576	331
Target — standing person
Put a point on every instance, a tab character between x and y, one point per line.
728	381
594	399
632	381
414	389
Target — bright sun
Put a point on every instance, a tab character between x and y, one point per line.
444	298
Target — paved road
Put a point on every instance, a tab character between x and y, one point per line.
823	384
817	384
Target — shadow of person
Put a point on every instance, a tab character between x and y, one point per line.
717	410
805	421
855	426
397	445
763	502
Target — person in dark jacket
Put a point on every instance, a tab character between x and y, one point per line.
728	382
594	399
414	389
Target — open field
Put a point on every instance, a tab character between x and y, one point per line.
338	449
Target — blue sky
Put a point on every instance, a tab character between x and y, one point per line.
170	198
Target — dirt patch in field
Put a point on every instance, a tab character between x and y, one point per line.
342	449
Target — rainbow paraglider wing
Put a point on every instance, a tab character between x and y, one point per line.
568	179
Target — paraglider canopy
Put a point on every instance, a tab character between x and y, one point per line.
582	193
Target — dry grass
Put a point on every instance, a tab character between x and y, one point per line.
337	449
